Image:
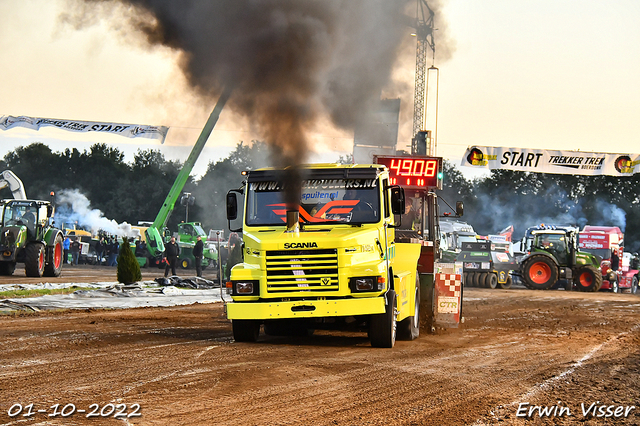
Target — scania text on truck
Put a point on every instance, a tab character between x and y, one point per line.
330	255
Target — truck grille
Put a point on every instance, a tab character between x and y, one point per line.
291	271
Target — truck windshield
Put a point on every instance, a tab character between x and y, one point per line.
322	201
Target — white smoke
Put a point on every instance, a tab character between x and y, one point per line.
612	215
74	207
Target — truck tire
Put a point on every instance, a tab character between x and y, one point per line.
54	267
34	260
382	327
465	279
245	330
615	287
506	284
7	268
539	273
588	278
473	279
491	280
185	263
482	280
409	328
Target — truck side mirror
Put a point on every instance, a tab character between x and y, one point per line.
397	200
459	208
232	206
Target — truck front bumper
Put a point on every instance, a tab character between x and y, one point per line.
305	308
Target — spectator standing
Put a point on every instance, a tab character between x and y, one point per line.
66	245
75	250
171	253
113	252
100	250
198	253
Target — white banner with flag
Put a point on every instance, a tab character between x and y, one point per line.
550	161
128	130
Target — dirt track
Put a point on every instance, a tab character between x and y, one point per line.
183	367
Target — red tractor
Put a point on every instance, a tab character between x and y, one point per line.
607	242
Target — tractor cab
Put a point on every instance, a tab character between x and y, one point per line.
25	213
555	243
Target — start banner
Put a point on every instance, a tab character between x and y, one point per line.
548	161
128	130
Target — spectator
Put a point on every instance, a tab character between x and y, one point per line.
171	253
75	250
198	252
410	216
99	250
113	252
615	260
66	245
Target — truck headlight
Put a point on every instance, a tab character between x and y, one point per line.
245	288
363	284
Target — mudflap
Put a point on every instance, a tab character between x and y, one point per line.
426	302
447	295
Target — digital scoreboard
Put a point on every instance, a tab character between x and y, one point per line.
413	172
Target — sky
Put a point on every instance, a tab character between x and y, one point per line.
546	74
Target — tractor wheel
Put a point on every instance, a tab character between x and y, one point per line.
409	328
7	268
54	267
588	278
245	330
539	273
507	284
634	285
382	327
34	260
492	280
185	263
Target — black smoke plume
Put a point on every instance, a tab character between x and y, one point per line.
288	61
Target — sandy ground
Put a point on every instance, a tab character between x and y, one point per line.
519	351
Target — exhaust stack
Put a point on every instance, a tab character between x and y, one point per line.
293	220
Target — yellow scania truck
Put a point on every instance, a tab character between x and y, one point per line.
323	247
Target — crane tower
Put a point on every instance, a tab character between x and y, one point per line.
421	143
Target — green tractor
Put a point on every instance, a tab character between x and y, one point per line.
188	232
28	236
553	256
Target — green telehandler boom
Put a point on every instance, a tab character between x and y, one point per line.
154	233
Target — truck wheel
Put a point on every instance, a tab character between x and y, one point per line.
382	327
7	268
409	328
634	285
615	287
506	284
473	279
54	267
185	263
588	278
34	260
245	330
492	280
539	273
465	278
482	280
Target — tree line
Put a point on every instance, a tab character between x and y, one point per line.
135	191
